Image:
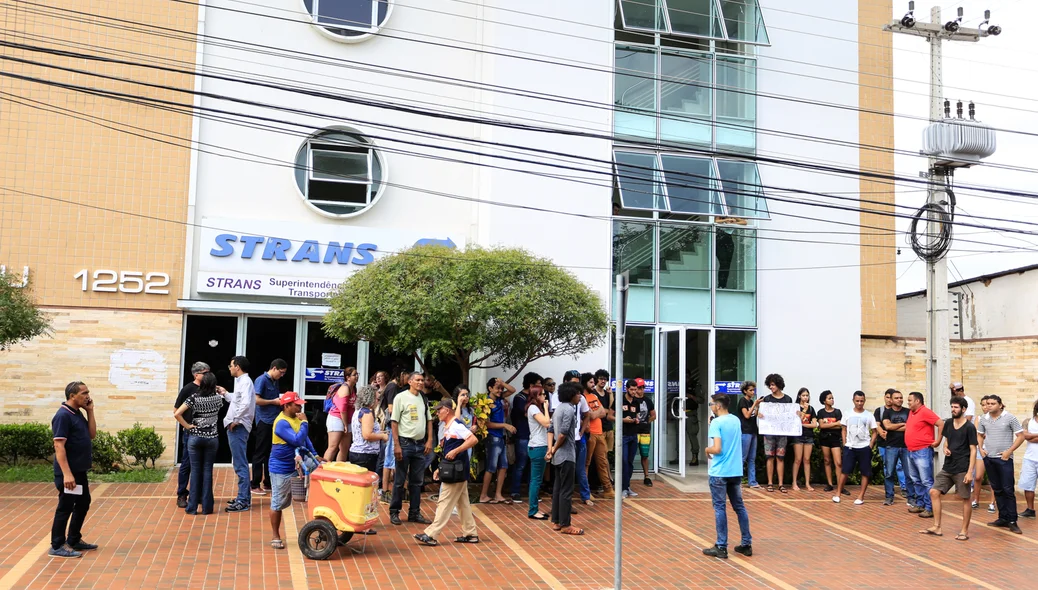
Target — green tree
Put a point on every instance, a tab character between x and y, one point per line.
481	308
20	320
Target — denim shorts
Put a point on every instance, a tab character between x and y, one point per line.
496	456
334	424
390	460
280	491
807	439
1029	475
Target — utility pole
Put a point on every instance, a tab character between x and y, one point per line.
939	211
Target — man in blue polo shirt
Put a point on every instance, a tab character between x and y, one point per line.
267	409
72	459
725	473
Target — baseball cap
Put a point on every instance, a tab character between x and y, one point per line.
639	382
444	403
956	385
290	397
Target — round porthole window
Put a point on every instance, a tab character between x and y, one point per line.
339	173
349	20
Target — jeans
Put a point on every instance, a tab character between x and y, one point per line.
1000	474
536	474
238	440
749	457
562	493
203	454
262	439
184	474
71	512
368	461
630	447
597	454
410	470
732	488
920	473
580	473
522	451
894	460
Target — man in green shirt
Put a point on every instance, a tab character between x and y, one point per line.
411	443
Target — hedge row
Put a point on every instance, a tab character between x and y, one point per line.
34	441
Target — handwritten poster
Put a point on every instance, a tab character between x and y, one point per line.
779	420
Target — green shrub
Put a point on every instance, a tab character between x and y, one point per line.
22	442
143	444
106	453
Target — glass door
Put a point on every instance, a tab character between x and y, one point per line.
670	382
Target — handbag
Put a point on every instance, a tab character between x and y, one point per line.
453	470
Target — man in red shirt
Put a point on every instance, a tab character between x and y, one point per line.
919	438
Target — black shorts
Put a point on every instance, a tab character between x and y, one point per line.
860	457
832	443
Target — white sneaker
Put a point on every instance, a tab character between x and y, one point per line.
859	502
632	494
975	505
836	499
991	508
626	494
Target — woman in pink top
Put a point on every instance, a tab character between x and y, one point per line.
344	397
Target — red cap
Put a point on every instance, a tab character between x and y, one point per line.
290	397
639	382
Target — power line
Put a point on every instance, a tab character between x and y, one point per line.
444	136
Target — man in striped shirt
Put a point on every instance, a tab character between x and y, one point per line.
1000	435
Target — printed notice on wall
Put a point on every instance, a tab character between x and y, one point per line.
779	420
137	370
331	359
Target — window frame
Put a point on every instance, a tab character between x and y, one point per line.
348	33
325	140
718	6
717	207
373	28
313	146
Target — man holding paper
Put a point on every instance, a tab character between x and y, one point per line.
72	459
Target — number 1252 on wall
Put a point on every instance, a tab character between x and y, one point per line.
126	281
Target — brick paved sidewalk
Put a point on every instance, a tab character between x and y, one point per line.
801	540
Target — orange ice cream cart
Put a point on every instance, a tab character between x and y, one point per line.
343	501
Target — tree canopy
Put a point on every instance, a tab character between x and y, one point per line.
20	320
481	308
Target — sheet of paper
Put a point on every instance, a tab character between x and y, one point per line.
76	491
779	420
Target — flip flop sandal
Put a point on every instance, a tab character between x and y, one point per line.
277	544
505	502
491	502
770	488
425	539
572	530
962	537
368	532
783	489
929	532
589	502
538	517
467	539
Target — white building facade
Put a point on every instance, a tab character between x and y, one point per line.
606	136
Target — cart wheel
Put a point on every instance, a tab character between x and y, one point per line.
345	538
318	539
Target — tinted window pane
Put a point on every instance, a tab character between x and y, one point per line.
690	185
345	13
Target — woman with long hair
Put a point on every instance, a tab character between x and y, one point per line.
537	416
830	438
202	442
805	443
343	400
464	411
367	432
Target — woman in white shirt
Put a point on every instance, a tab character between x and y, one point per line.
537	415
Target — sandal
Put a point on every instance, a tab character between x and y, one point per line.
770	488
572	530
467	539
425	539
277	544
783	489
540	516
962	537
931	532
589	502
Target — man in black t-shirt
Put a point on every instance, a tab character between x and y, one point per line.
630	408
646	416
881	446
73	457
747	412
960	457
198	370
895	453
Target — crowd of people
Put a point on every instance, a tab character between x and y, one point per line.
552	440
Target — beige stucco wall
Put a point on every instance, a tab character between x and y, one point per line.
129	359
1005	367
